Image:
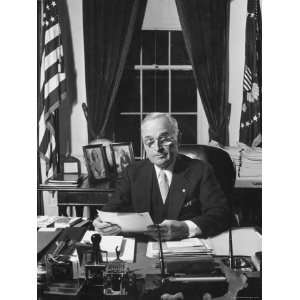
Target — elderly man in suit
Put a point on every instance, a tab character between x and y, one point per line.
181	194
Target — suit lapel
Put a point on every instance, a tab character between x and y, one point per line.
143	188
178	189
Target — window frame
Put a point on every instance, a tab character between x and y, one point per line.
155	67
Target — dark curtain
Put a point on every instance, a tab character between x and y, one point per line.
205	26
108	30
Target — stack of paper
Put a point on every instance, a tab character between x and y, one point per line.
109	243
65	180
251	163
128	222
46	221
187	248
235	154
64	222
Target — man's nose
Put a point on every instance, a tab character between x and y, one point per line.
157	145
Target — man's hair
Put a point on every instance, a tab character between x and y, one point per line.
157	115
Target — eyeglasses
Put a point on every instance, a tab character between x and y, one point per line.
163	141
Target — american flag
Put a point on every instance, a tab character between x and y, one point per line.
52	84
247	83
250	125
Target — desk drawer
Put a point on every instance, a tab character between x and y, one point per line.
83	198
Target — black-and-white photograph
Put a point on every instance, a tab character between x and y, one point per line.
95	161
122	156
167	93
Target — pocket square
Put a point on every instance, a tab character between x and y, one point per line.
189	203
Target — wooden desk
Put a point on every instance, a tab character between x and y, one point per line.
248	183
246	198
87	194
246	242
247	201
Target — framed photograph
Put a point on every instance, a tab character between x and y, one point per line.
96	163
122	154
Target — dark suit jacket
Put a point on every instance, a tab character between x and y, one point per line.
194	194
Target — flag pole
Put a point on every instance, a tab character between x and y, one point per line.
40	206
57	136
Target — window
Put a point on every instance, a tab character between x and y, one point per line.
158	78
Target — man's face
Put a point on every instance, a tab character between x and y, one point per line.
160	142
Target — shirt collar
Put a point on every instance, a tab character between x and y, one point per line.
168	171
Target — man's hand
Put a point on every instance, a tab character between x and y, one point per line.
169	230
106	228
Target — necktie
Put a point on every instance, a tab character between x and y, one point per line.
163	185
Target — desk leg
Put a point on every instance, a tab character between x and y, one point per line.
79	211
62	210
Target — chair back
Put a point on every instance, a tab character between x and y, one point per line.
220	161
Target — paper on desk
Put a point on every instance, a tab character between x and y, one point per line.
245	241
109	243
183	248
129	222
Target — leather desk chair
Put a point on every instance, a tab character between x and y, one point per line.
221	163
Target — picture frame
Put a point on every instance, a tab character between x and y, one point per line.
122	154
96	162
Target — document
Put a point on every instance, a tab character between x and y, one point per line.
109	244
245	242
191	247
129	222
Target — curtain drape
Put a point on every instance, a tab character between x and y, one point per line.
205	26
108	30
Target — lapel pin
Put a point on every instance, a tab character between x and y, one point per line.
183	190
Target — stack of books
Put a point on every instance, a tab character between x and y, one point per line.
60	222
45	221
251	163
186	248
65	180
64	222
235	154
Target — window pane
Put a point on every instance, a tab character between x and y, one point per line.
178	51
155	91
188	127
128	130
128	97
161	47
184	93
155	47
148	45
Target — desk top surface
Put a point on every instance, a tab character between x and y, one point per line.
248	183
246	241
108	185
